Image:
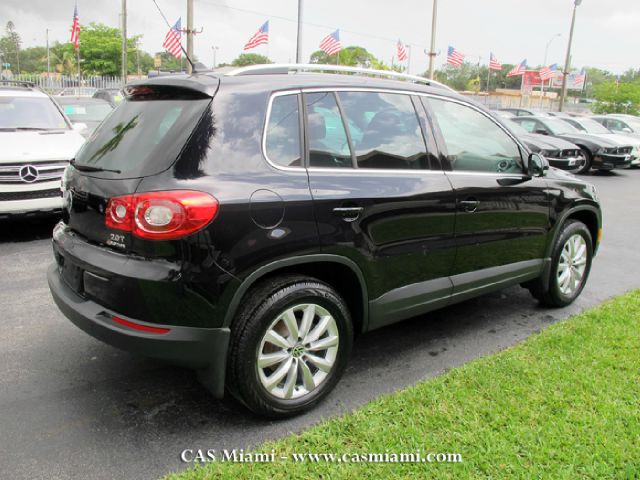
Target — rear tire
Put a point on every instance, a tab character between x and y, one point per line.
570	266
290	344
588	160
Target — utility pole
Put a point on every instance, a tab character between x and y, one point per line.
189	34
567	61
432	52
48	62
124	41
299	39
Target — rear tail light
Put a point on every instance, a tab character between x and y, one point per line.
161	215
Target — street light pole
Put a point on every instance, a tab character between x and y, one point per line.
48	62
215	49
299	39
432	51
544	64
124	61
567	61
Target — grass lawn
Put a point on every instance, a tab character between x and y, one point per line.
564	404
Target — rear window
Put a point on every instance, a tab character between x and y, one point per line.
142	137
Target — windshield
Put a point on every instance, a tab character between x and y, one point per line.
515	127
32	113
86	112
558	126
591	126
632	122
142	137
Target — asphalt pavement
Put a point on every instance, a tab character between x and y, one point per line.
74	408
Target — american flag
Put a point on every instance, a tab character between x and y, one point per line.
580	78
454	57
172	40
548	72
331	43
75	29
518	69
494	64
402	52
261	37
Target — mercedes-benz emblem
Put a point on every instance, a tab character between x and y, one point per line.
28	174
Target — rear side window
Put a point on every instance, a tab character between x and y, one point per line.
283	132
143	137
328	144
385	130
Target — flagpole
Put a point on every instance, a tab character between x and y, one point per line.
78	57
488	76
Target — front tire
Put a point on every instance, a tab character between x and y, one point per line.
570	266
290	345
588	160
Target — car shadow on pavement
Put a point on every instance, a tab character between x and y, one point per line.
27	229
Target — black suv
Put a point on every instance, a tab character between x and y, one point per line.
249	225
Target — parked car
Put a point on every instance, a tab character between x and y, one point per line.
77	92
590	126
37	143
249	225
524	112
558	152
619	123
85	112
111	95
599	153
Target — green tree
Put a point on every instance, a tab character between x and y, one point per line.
34	60
245	59
353	56
617	97
10	47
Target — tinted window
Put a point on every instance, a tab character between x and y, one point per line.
384	129
328	145
30	112
283	132
473	141
142	137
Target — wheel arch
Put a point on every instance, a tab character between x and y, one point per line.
587	214
337	271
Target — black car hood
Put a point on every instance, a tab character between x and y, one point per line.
556	142
585	137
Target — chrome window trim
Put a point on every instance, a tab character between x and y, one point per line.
297	91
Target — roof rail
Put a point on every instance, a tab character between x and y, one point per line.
284	68
17	83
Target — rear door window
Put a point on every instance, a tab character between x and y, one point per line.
327	137
385	130
142	137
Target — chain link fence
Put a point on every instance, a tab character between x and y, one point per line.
56	83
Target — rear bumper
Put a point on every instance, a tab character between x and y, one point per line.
201	348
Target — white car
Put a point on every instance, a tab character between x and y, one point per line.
37	142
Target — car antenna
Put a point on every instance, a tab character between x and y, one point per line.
193	68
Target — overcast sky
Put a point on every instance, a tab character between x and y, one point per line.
606	36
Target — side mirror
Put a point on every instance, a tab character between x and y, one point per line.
627	130
537	165
541	131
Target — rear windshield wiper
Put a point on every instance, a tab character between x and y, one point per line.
89	168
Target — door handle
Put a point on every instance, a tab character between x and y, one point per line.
348	214
469	205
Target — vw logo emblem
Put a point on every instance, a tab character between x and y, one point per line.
28	173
